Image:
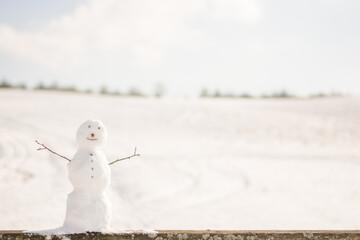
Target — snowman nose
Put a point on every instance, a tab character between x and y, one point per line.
92	135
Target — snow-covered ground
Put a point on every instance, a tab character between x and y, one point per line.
206	163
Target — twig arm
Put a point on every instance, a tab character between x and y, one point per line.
134	155
43	147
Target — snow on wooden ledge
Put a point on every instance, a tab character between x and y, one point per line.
191	235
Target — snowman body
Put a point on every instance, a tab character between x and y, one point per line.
88	208
89	170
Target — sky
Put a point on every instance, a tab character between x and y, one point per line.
234	46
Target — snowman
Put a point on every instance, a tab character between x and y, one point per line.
88	208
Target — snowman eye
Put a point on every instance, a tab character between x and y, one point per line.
98	127
89	126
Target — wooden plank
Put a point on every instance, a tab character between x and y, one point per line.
192	235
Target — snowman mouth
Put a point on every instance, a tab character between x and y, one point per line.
91	139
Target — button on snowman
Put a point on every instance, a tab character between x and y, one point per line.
88	208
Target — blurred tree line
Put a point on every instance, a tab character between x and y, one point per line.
204	93
133	91
159	91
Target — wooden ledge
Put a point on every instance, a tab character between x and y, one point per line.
191	235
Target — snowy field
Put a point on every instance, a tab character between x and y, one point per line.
206	163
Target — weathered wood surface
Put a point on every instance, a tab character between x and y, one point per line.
191	235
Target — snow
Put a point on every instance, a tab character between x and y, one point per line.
205	163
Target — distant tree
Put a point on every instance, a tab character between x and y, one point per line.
54	87
5	84
284	94
135	92
245	95
281	94
217	94
68	89
88	91
104	90
21	86
40	86
322	95
159	89
204	93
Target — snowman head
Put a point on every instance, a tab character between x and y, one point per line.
91	134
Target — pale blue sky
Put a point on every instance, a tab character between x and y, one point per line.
34	14
232	45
